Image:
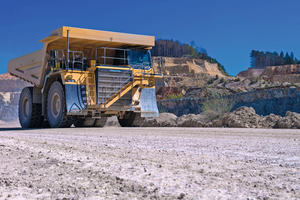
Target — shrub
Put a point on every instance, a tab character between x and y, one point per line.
217	106
222	80
292	82
174	96
211	81
266	86
237	80
162	109
217	77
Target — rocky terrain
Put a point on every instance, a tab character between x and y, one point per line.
10	88
280	74
243	117
177	66
183	78
178	80
149	163
10	83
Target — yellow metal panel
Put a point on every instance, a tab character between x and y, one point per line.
92	63
28	65
82	36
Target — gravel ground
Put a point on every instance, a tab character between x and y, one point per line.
149	163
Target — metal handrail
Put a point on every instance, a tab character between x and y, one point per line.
113	58
161	64
65	62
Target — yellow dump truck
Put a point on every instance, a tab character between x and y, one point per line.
83	76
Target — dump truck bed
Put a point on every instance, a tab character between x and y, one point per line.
32	67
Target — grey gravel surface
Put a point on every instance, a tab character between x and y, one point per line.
149	163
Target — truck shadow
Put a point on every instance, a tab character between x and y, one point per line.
18	129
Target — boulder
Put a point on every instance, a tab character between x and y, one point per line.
243	117
269	121
112	121
290	120
191	120
164	120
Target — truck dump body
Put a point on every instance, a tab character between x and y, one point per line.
31	67
82	76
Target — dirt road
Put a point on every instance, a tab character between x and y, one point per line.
149	163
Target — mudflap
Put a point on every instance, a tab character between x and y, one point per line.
75	98
148	103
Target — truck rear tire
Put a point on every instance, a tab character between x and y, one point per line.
56	107
86	122
29	112
100	122
131	119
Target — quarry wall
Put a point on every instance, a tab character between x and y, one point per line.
265	102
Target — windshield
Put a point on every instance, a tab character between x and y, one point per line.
140	57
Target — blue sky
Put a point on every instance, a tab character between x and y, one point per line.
227	29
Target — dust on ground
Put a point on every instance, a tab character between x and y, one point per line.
149	163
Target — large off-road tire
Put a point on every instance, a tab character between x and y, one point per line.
86	122
100	122
56	107
30	114
131	119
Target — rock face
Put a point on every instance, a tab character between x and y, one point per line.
281	74
175	66
250	73
281	70
201	92
277	101
285	73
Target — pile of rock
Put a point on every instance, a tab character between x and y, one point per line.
243	117
246	117
9	106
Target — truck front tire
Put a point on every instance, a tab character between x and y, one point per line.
29	112
56	107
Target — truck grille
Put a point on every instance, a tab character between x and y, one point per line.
111	81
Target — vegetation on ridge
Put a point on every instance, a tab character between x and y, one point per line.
260	59
170	48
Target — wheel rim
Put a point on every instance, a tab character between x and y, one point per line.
55	105
26	107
